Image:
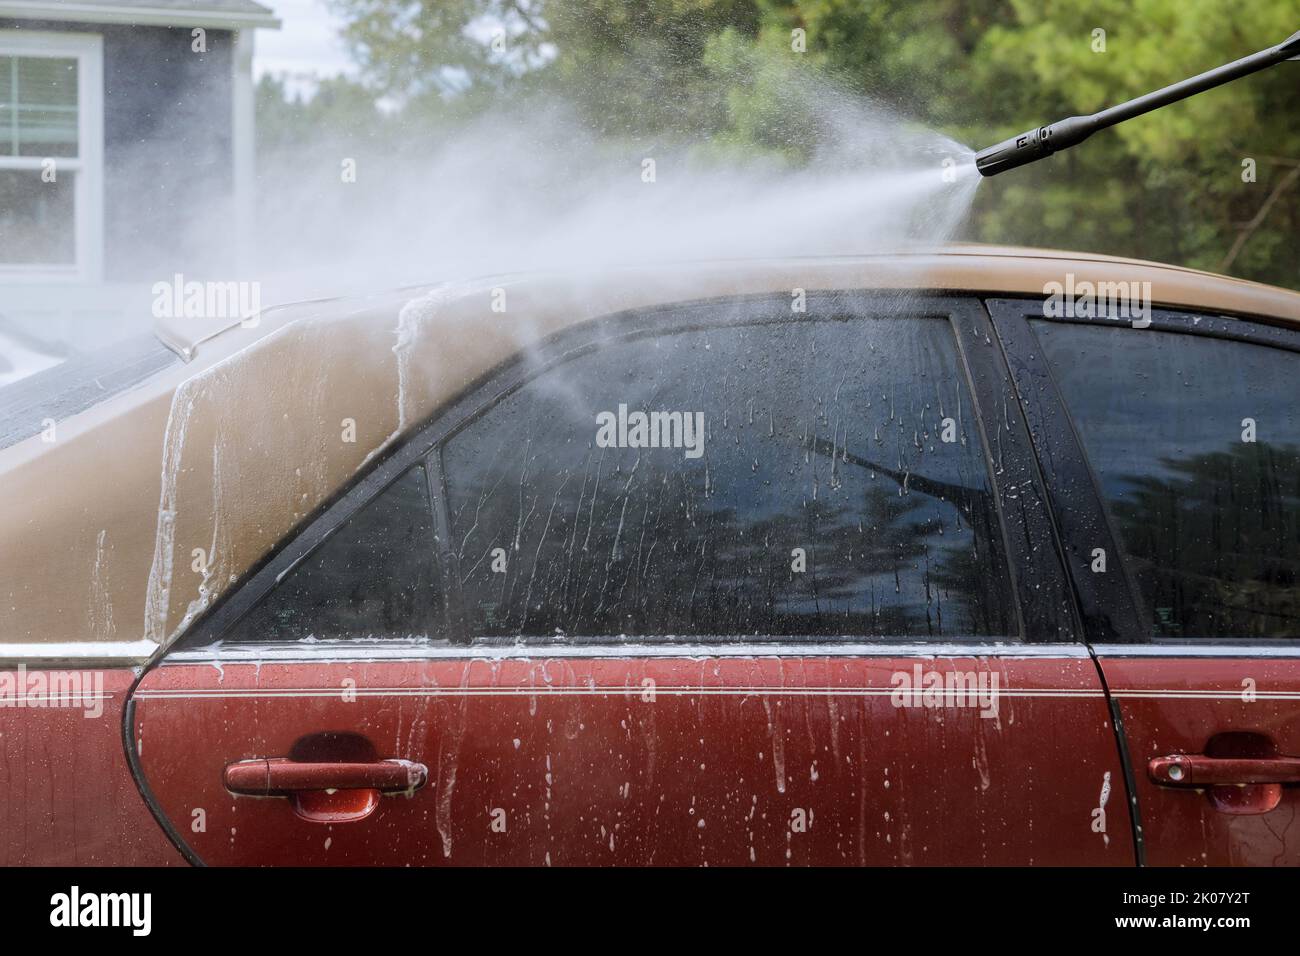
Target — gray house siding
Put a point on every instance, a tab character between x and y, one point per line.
168	145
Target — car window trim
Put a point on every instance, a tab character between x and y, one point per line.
1029	566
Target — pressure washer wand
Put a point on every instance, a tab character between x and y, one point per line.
1038	143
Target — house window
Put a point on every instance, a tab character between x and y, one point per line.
51	148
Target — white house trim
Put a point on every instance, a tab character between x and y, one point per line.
140	16
88	49
243	143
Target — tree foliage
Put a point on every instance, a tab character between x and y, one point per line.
1170	186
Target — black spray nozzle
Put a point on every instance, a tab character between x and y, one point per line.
1034	144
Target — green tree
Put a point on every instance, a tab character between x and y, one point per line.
723	73
1168	185
338	107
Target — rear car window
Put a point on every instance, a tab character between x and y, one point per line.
373	578
819	478
1195	442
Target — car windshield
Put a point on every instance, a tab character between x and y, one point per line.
44	378
34	341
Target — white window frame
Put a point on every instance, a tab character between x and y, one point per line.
88	189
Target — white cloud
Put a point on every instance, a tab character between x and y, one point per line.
306	45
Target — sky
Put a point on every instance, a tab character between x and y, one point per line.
306	44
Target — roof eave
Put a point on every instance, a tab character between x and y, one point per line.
137	16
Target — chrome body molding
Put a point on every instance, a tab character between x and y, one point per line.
395	651
1197	650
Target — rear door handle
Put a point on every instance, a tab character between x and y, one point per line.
1197	770
280	776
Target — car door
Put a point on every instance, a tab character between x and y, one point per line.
1188	429
715	584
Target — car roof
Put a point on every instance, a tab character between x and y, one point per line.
966	267
233	448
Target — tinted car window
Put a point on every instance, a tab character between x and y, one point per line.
1196	445
373	577
809	478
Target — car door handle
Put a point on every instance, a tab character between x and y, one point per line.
1197	770
280	776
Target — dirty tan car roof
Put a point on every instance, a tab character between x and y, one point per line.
228	452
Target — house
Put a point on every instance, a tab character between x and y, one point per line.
126	155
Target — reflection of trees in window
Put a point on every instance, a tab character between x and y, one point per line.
644	542
373	577
607	553
1208	520
1215	541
